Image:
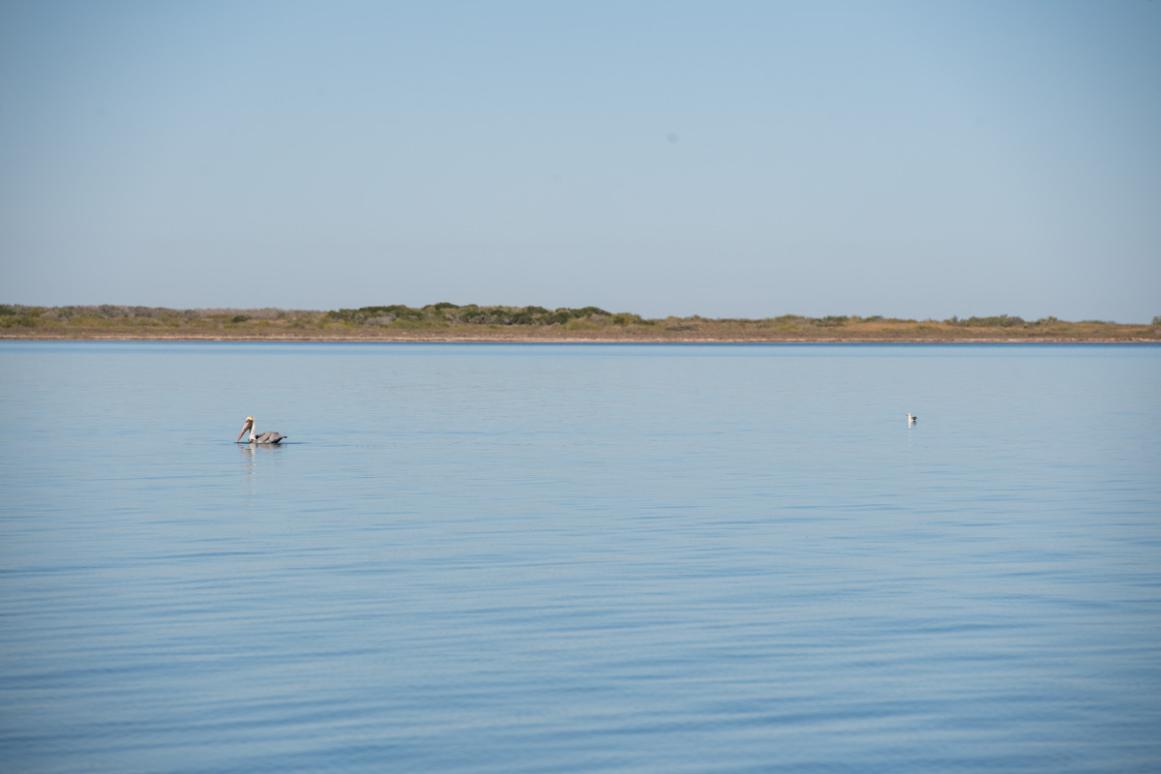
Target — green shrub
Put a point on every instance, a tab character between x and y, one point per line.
996	321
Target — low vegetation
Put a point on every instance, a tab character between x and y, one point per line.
447	321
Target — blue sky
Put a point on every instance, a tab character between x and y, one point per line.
916	159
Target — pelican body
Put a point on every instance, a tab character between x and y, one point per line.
911	419
268	437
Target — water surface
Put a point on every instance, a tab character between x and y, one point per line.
550	558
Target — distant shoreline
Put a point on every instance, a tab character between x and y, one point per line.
451	323
556	340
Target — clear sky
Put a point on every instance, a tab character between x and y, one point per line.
916	159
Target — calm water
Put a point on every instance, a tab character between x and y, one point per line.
542	558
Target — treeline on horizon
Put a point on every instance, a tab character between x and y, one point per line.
445	317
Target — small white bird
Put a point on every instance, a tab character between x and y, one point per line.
911	419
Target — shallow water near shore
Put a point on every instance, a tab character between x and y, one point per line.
549	558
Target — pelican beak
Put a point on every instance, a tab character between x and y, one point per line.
245	426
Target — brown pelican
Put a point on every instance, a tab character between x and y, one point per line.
268	437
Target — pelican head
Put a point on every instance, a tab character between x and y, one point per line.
247	425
